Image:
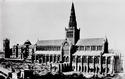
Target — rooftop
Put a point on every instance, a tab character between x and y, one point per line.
91	41
81	42
49	42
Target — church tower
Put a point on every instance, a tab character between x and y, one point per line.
72	32
6	48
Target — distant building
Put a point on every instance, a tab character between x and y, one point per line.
6	48
24	51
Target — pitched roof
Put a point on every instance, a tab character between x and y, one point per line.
49	42
27	42
81	42
91	41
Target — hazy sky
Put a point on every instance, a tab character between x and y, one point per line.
47	19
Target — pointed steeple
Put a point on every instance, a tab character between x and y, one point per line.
106	40
72	32
72	21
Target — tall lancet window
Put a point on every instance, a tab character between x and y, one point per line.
66	48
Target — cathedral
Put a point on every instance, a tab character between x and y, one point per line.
88	55
76	54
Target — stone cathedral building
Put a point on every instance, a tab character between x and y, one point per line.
76	54
73	53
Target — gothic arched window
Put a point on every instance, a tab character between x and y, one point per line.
96	59
90	59
109	60
66	48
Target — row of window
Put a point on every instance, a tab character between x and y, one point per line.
69	34
44	59
92	48
86	48
78	59
108	61
91	60
85	60
48	48
19	50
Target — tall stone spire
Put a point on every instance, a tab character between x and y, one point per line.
72	21
72	32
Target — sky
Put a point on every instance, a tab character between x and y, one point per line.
33	20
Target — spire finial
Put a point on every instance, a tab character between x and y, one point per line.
72	9
106	38
72	21
72	5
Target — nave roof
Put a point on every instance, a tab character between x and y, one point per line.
91	42
81	42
